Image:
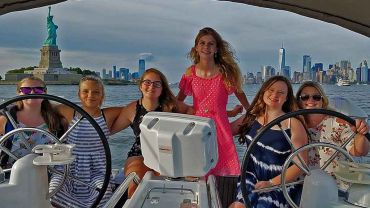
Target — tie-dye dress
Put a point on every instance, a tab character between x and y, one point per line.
266	162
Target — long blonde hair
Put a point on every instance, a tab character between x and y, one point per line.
56	122
224	57
167	99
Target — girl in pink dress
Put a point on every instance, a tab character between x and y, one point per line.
213	77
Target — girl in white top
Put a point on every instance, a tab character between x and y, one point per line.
324	128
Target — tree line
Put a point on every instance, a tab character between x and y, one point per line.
76	70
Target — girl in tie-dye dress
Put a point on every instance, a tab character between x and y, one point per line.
213	77
274	99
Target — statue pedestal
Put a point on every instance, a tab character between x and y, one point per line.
50	57
50	68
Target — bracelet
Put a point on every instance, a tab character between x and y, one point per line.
271	183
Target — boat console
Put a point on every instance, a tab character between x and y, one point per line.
176	146
28	184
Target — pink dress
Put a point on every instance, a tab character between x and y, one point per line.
209	99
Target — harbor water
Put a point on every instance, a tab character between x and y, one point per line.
121	95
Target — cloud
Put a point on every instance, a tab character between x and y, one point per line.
146	56
98	34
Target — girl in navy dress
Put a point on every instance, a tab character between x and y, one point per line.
274	99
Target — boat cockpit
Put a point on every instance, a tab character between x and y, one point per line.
179	146
180	149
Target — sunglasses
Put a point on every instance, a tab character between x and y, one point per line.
156	84
314	97
36	90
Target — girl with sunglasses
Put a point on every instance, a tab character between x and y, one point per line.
37	113
324	128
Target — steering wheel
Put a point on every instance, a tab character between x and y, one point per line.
306	147
302	165
101	190
20	131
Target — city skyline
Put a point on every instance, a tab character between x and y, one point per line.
118	33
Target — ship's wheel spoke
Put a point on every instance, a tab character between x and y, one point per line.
65	173
294	157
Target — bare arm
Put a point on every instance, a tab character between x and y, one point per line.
66	111
181	96
235	125
111	114
360	147
3	121
184	108
124	118
242	99
237	109
298	140
361	144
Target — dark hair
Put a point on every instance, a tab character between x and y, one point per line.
258	106
224	57
56	122
167	99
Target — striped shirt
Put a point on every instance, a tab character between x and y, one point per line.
89	167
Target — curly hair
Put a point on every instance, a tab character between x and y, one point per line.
224	57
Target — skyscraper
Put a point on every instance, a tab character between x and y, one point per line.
141	67
345	64
104	76
282	60
267	72
314	71
114	72
306	63
364	71
124	73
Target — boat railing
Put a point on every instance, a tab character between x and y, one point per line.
215	197
2	176
120	191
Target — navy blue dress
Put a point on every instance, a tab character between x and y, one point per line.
266	162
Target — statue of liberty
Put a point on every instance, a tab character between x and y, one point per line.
51	40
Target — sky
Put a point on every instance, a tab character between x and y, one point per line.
97	34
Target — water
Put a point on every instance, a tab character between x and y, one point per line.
121	95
